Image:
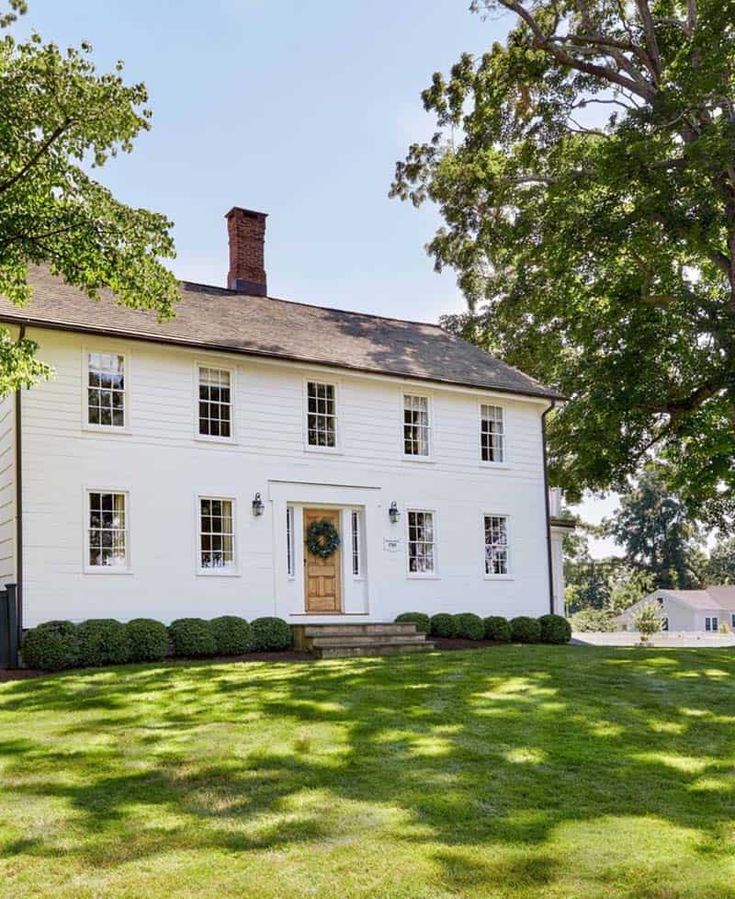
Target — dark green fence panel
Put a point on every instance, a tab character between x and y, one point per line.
9	631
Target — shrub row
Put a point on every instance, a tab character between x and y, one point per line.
56	645
523	629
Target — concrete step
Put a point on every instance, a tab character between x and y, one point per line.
373	649
363	640
338	630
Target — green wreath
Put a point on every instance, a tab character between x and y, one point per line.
322	538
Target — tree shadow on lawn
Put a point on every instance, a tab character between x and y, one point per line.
496	750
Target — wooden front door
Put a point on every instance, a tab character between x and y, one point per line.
322	576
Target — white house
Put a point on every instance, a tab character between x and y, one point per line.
688	610
171	469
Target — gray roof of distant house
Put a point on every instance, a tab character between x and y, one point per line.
708	598
220	319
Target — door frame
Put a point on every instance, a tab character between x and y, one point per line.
339	510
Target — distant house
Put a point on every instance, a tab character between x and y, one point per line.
179	468
688	610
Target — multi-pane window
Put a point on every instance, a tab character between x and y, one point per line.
492	437
664	623
496	544
107	532
106	390
711	624
421	544
415	425
290	555
215	402
356	543
321	414
216	534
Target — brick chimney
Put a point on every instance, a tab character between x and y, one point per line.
246	232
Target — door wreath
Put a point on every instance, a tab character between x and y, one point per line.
322	538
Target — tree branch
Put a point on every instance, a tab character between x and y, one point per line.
43	149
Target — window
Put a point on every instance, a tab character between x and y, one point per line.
216	535
108	530
492	438
356	544
421	552
290	556
106	390
496	544
321	415
415	425
664	623
215	402
732	621
711	624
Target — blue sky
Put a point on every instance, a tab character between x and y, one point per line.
296	109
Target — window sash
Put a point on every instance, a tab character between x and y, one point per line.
416	425
107	530
290	546
711	623
356	544
321	415
492	433
216	534
106	390
421	543
496	545
215	402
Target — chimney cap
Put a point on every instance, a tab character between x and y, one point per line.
251	213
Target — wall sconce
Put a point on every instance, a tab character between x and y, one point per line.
393	513
258	505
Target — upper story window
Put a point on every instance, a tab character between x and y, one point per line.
415	425
107	532
216	535
321	416
106	390
496	544
492	433
421	543
215	402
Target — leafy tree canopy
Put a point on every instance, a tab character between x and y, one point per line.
585	172
721	564
61	120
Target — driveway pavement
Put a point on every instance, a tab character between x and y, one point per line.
672	640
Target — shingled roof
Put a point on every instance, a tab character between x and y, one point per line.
219	319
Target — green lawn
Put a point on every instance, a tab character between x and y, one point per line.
537	771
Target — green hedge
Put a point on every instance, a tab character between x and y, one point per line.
147	639
192	638
52	646
497	628
525	629
422	622
233	635
555	629
102	641
443	625
469	626
271	634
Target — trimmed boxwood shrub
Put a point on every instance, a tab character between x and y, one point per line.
232	635
52	646
555	629
469	626
192	637
422	622
271	634
525	630
102	641
147	640
443	625
497	628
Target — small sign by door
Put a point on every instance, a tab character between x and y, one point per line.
391	545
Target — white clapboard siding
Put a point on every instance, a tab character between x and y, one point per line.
7	490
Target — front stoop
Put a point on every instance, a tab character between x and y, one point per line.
340	641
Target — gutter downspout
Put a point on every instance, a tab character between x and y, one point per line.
19	501
546	504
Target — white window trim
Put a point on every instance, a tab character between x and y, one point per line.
360	576
408	457
219	366
106	569
106	349
323	450
509	529
486	464
710	618
215	572
290	551
422	575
